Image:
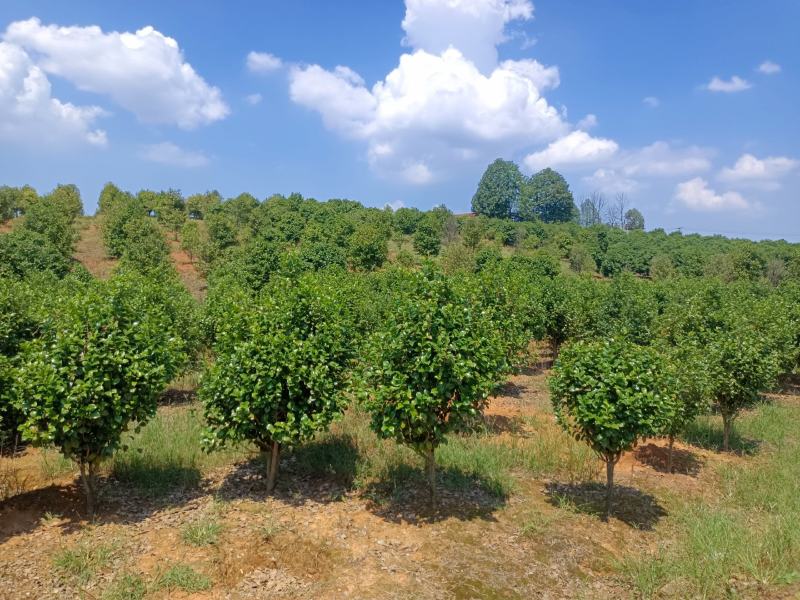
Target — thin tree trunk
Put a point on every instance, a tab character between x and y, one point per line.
609	486
727	421
272	471
430	468
669	453
87	474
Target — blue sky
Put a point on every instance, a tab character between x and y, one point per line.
687	107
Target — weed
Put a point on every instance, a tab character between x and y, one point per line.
128	587
203	532
181	577
82	560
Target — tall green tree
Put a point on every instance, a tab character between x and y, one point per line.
633	219
546	196
498	190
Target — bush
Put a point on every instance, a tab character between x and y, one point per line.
367	248
24	252
432	367
611	394
280	369
99	364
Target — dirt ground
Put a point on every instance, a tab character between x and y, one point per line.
316	539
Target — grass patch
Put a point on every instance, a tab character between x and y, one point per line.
53	464
201	533
128	587
83	560
166	454
181	577
750	534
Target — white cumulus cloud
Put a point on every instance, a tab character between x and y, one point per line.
661	159
696	195
144	72
475	27
610	181
448	100
769	68
761	171
170	154
263	62
734	84
576	148
29	113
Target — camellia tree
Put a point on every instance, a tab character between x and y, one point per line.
611	394
432	366
280	369
741	365
97	367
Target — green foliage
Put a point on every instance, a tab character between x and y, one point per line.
145	248
68	198
431	368
24	253
116	217
323	255
51	218
498	190
546	197
611	394
472	232
633	220
191	239
102	357
407	219
281	366
428	238
368	248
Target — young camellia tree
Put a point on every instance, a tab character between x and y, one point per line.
741	366
97	367
432	366
280	369
611	394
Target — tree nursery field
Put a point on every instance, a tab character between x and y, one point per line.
233	398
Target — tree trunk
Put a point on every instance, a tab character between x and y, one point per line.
669	453
727	422
87	479
272	471
430	469
609	485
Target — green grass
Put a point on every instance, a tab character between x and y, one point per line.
203	532
750	532
181	577
83	560
126	587
351	454
53	464
166	455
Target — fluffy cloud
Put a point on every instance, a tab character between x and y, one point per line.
769	68
263	62
29	113
253	99
576	148
432	107
144	72
587	122
447	101
697	196
168	153
762	171
475	27
734	84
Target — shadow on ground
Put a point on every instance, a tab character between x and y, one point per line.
683	461
633	507
402	495
708	435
